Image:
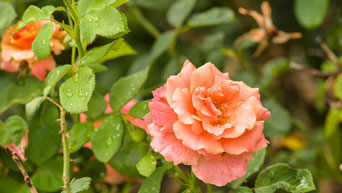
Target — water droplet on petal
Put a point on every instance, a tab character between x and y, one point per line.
43	41
96	19
69	94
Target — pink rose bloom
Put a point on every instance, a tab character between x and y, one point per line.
202	118
17	53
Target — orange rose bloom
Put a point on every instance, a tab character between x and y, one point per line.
17	53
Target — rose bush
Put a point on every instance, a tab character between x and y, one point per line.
112	176
202	118
17	53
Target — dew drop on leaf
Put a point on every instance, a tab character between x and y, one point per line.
109	141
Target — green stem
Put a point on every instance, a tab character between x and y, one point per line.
182	176
66	152
74	16
73	56
209	188
71	9
78	40
144	22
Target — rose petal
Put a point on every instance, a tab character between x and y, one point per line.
137	122
39	69
223	90
127	107
204	104
181	80
246	92
204	76
251	141
162	115
197	142
182	105
171	148
220	170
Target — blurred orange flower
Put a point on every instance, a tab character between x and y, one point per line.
17	53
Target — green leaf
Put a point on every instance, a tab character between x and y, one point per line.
101	3
117	3
109	51
152	184
97	106
93	56
53	77
76	92
80	134
105	21
126	88
23	93
252	167
9	185
162	44
43	133
243	189
328	66
279	123
147	165
333	119
284	177
140	109
338	86
311	13
124	50
273	69
33	14
48	176
137	134
107	139
49	9
94	169
97	68
214	16
83	5
79	185
126	159
32	107
7	14
41	44
13	131
179	11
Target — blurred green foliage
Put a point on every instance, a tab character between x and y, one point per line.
300	83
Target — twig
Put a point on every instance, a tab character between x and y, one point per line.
54	102
66	150
299	67
27	178
329	53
